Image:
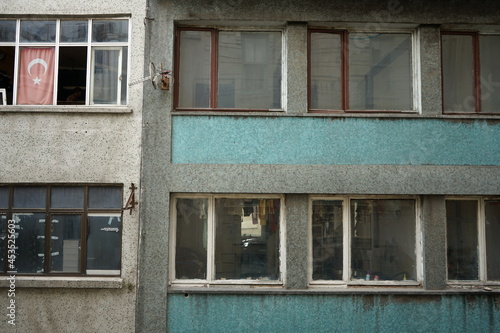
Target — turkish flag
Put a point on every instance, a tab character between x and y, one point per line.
36	76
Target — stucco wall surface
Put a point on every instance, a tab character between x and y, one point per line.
77	145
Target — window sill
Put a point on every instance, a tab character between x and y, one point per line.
324	290
64	109
63	282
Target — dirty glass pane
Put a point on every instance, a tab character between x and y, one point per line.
74	31
249	70
194	71
327	239
67	197
492	215
191	238
30	197
65	243
110	30
4	197
104	244
325	61
380	71
105	197
30	241
490	73
38	31
105	75
461	226
7	31
383	239
247	239
458	72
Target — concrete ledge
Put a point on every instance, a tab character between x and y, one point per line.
63	282
63	109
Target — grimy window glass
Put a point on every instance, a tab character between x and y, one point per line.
58	232
247	239
383	239
492	230
380	70
326	71
490	73
228	69
327	239
462	239
191	238
458	73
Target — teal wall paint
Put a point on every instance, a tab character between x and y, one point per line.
336	141
333	313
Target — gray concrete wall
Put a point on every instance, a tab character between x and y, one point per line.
77	145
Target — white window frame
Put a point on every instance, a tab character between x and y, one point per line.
481	242
346	249
89	44
211	241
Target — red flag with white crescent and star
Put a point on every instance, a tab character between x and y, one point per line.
36	76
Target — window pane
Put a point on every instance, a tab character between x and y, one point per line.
461	224
191	239
458	71
7	31
380	71
106	68
72	75
383	239
327	238
30	241
4	197
74	31
247	239
36	76
110	30
104	244
30	197
105	197
3	240
7	55
249	70
490	73
65	243
38	31
492	214
326	61
194	69
67	197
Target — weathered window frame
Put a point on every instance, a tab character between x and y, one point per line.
477	76
211	231
347	278
123	67
344	71
214	75
482	254
8	213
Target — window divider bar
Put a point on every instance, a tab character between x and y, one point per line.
477	72
344	45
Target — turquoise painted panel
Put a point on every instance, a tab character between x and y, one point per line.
335	141
333	313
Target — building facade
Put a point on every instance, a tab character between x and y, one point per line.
310	166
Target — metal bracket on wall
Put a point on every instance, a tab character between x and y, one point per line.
131	199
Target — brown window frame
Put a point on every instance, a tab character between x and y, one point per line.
476	65
48	212
344	63
214	77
